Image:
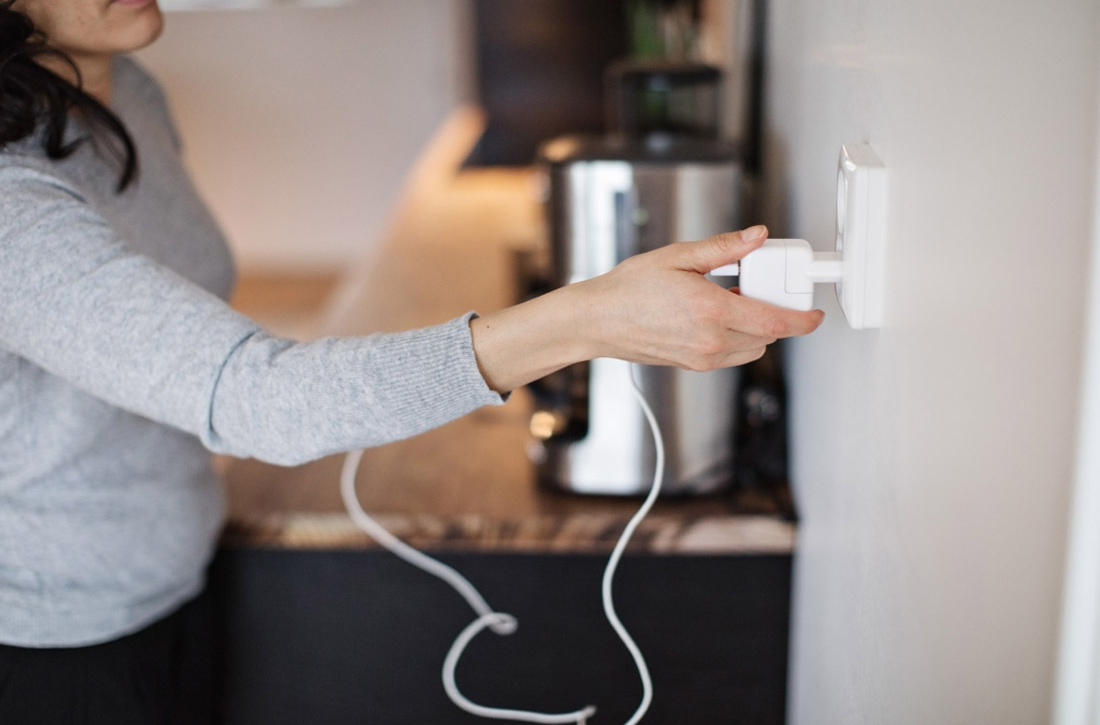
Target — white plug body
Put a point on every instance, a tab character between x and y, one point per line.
783	272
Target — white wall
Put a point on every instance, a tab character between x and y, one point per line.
933	458
299	124
1077	698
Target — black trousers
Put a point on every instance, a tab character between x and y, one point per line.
161	675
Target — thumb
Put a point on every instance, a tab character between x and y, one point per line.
713	252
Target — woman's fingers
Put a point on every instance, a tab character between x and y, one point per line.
761	319
742	333
741	358
716	251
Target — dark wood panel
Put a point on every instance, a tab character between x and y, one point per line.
352	637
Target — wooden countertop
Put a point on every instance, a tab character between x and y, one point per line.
452	247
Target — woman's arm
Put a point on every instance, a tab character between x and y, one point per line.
654	308
76	301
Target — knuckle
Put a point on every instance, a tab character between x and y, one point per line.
702	354
727	240
627	264
677	250
777	327
710	345
701	364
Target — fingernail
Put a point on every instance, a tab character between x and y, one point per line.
753	233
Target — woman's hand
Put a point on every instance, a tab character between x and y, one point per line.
654	308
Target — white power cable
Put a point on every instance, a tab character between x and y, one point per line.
617	553
417	558
501	622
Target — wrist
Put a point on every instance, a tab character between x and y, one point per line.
519	344
575	318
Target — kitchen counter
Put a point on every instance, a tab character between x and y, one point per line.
453	246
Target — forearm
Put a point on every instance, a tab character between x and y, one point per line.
291	402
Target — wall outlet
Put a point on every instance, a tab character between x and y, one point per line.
861	235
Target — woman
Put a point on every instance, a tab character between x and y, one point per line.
121	366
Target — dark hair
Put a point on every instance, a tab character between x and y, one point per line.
31	94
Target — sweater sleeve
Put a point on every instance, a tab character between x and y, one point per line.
77	302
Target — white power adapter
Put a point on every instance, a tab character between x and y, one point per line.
783	272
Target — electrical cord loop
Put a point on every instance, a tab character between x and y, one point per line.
500	622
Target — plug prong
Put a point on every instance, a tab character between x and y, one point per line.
826	267
727	270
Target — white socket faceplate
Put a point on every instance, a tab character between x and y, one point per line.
861	234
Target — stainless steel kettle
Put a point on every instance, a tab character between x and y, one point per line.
610	197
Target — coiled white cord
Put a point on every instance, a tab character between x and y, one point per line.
501	622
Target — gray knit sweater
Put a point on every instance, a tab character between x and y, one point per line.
121	367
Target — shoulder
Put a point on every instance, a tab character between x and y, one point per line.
42	217
31	181
139	92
